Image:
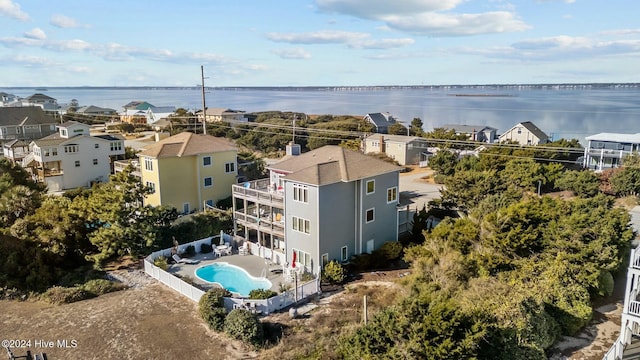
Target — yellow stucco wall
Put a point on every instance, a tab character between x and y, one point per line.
180	180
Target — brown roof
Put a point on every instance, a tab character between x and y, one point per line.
188	144
330	164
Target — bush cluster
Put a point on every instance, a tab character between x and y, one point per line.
243	325
259	294
334	273
206	248
211	308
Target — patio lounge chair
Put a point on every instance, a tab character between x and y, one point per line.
180	260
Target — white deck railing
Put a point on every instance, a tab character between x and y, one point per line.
194	293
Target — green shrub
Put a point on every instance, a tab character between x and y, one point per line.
211	308
605	284
206	248
161	262
258	294
243	325
362	262
439	178
334	273
99	287
66	295
225	203
391	250
190	250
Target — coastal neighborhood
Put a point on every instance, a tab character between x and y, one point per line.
318	212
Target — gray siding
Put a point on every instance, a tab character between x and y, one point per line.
309	211
338	222
385	225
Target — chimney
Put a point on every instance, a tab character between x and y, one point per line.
293	149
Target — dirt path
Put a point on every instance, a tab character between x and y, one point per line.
148	322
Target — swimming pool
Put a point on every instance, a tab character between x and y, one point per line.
233	278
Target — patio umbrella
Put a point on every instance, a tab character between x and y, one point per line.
221	237
293	262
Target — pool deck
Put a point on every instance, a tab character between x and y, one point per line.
254	265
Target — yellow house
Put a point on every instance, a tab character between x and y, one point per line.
189	170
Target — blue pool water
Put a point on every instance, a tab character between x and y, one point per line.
232	278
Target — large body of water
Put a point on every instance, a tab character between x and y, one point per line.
562	111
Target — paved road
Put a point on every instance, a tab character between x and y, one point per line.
415	191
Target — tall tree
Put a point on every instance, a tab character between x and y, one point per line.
415	129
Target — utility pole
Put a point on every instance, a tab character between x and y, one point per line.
294	129
204	106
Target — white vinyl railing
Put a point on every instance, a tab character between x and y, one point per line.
194	293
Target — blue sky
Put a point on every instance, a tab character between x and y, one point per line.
317	42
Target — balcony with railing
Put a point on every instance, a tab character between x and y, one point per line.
259	191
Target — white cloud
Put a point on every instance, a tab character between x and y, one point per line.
375	9
64	22
558	48
68	45
354	40
11	9
457	24
292	53
318	37
382	44
428	17
35	33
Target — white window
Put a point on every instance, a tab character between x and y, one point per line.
301	225
371	187
54	151
300	193
392	195
116	145
148	164
371	215
229	167
70	149
325	260
344	254
77	163
303	258
151	186
63	132
95	161
206	161
208	181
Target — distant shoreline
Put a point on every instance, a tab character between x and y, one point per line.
562	86
483	95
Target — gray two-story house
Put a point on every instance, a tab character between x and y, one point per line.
327	204
25	123
607	150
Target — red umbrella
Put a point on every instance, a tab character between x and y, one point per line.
293	265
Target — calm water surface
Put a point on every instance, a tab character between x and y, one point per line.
561	112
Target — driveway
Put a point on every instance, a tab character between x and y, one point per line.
417	191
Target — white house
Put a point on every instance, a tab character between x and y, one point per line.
72	157
607	150
525	133
478	133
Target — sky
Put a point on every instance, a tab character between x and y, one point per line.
317	42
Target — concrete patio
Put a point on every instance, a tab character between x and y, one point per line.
254	265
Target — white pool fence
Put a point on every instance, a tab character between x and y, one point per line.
276	303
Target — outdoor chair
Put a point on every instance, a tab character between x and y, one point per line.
180	260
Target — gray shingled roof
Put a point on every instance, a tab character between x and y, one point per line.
379	119
28	115
535	130
91	109
331	164
467	129
188	144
